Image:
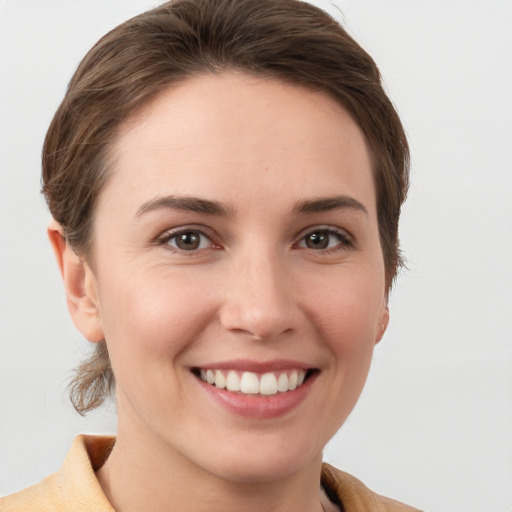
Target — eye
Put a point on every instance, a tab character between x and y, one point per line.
325	239
187	240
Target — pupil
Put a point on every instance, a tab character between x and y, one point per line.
188	241
317	241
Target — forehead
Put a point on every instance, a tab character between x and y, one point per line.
217	134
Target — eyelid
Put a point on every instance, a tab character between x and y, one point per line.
170	233
347	239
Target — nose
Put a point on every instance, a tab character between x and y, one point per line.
259	301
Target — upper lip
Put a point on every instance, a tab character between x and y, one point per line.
246	365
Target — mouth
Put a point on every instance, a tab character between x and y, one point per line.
252	383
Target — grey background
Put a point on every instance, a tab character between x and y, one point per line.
433	427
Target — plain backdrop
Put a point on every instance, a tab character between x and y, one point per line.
434	424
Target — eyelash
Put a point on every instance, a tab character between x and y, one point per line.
166	238
345	241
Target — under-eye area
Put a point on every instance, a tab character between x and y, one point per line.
251	383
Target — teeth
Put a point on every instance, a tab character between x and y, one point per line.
249	382
293	380
282	382
220	381
268	384
233	381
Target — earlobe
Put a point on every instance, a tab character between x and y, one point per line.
80	286
383	324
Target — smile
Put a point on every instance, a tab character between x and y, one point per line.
250	383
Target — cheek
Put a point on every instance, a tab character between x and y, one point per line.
348	313
348	308
349	333
346	318
152	315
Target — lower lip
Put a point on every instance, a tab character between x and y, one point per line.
260	406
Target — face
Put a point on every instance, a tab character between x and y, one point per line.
237	275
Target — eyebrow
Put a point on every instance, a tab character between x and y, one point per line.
187	204
215	208
325	204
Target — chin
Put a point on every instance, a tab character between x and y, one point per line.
262	471
263	461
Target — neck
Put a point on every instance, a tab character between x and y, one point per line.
149	476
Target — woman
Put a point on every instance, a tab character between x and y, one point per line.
225	180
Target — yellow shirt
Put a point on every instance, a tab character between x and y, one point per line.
75	488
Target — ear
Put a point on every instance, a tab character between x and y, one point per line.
383	324
80	286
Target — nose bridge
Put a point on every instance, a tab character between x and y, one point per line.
259	296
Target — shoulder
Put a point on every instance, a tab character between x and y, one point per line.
355	496
39	497
73	487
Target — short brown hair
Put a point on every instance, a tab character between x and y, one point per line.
288	40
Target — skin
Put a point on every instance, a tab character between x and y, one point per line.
253	290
